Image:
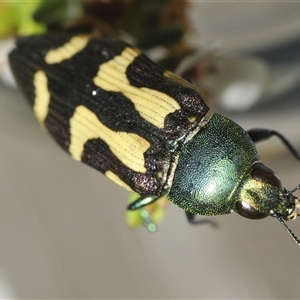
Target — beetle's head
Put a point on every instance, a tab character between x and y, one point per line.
261	195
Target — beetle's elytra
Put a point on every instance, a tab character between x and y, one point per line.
147	129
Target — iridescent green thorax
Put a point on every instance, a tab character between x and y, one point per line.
217	159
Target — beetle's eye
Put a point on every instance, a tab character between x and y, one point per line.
264	174
247	211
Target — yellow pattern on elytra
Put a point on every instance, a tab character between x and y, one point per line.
75	45
42	96
127	147
117	180
152	105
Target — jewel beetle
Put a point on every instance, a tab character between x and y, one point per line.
147	129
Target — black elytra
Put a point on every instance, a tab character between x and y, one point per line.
147	129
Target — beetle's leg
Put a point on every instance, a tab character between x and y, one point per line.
142	201
191	219
147	220
259	134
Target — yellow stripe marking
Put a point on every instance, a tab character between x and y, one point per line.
42	96
75	45
127	147
152	105
117	180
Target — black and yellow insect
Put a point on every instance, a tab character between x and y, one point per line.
109	106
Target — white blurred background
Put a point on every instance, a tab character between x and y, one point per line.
62	232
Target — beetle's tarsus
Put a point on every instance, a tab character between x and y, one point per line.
191	219
147	220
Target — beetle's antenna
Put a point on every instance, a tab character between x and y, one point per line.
285	192
292	215
291	234
295	189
